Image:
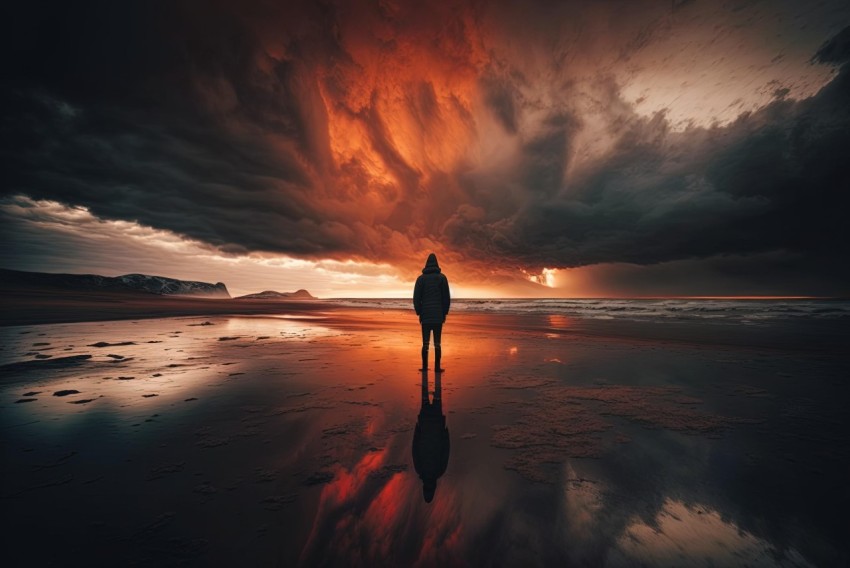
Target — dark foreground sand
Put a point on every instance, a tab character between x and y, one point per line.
273	440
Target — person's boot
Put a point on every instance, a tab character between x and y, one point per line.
437	355
424	359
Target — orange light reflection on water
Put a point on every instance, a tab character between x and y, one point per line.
372	505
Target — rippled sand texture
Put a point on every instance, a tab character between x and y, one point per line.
284	439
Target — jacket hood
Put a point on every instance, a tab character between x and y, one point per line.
431	264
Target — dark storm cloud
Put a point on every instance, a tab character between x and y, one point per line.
774	180
501	96
773	273
209	120
836	50
157	113
347	129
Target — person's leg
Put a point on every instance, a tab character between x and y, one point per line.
426	336
424	392
438	331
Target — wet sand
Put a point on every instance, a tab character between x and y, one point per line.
274	440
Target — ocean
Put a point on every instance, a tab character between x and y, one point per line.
726	310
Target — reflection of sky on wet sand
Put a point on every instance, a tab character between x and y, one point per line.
680	531
565	449
279	326
128	360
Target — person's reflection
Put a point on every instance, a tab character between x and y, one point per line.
430	439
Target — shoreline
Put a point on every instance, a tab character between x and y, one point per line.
799	334
45	307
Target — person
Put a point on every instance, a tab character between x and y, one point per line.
431	300
431	444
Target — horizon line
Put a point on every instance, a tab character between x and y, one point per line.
697	297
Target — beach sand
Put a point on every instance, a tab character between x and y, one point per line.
285	437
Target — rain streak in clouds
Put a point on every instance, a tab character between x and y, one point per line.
636	141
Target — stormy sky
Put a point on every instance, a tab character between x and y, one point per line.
539	148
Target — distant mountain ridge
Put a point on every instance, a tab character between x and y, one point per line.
159	285
272	295
173	287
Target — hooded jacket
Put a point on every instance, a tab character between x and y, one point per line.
431	298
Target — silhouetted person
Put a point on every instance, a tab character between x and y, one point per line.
431	300
430	440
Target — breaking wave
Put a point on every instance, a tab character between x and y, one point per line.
745	311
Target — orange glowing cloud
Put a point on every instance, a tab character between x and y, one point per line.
388	101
